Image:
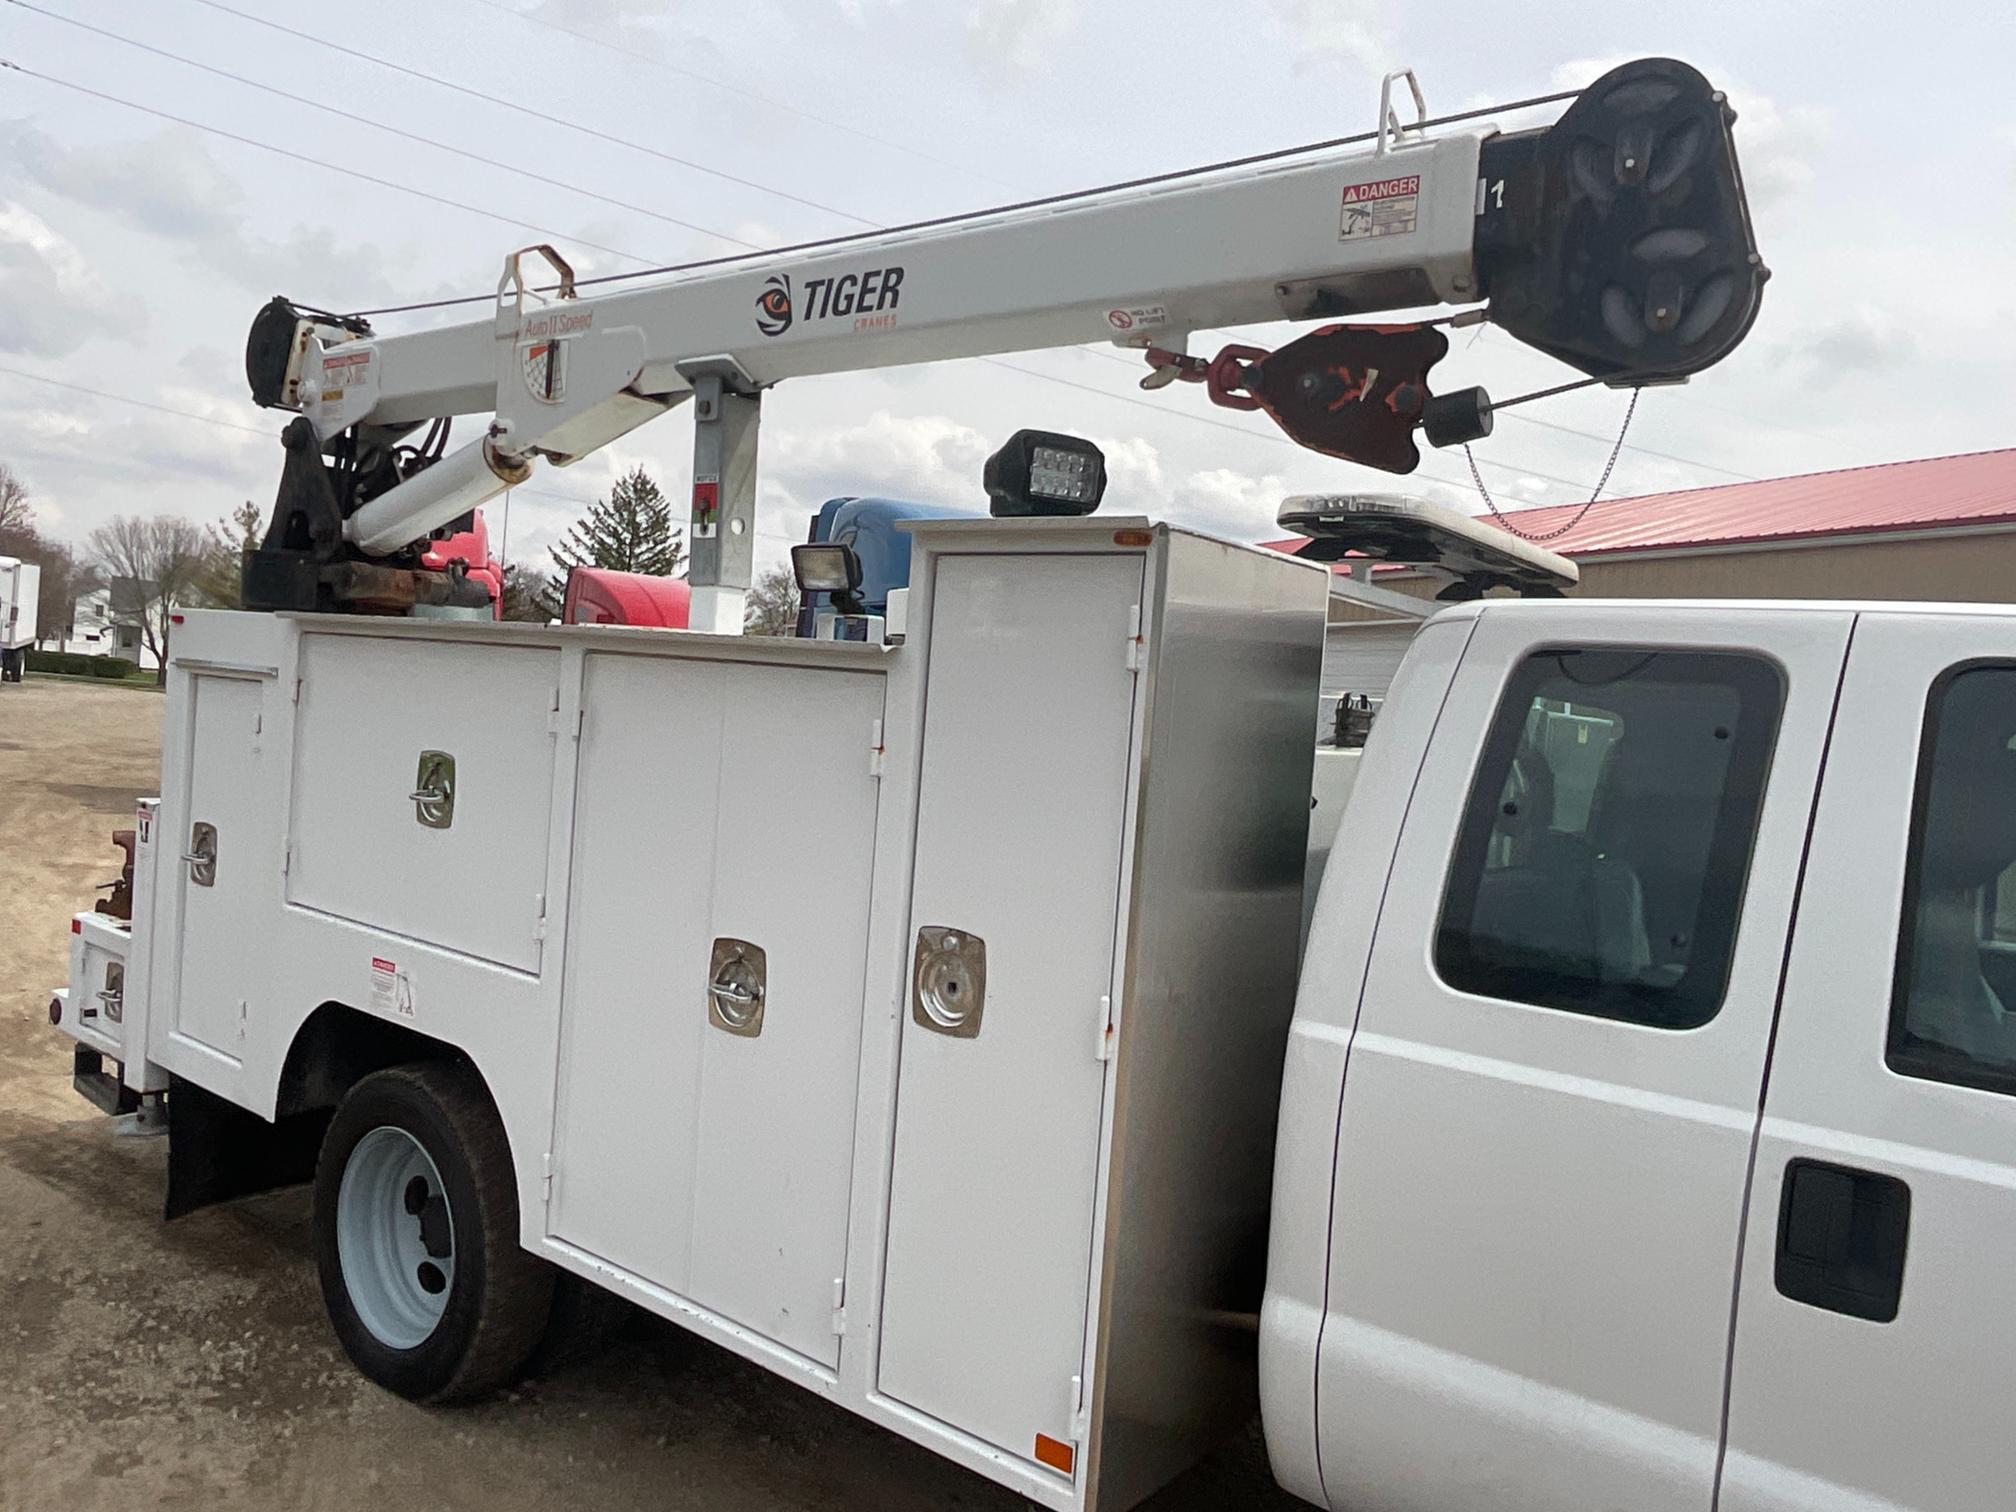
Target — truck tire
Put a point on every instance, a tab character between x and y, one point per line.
416	1236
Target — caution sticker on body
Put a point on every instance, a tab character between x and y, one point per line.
1383	207
384	985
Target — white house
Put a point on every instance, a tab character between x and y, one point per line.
106	622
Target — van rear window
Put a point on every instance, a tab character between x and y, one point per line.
1607	838
1953	1008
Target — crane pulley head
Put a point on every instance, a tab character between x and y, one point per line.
1617	240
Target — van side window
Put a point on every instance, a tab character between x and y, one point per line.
1953	1010
1606	844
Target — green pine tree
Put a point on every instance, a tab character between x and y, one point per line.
630	531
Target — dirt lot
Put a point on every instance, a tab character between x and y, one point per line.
189	1366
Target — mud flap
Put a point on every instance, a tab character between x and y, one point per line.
217	1150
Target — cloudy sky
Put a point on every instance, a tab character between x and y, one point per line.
1878	140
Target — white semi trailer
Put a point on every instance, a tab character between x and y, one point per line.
912	1015
20	594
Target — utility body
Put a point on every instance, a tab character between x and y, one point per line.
1658	978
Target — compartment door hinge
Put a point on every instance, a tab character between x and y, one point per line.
1104	1049
839	1306
539	928
1137	641
546	1180
876	749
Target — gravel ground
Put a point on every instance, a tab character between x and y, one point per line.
188	1365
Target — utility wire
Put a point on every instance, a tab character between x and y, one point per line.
231	136
1268	437
1645	451
253	430
159	409
6	63
767	101
322	107
641	210
967	216
527	110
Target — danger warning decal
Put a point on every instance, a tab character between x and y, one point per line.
1384	207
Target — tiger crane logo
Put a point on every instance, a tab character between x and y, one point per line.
773	306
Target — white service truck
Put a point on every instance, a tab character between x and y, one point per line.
922	1009
20	593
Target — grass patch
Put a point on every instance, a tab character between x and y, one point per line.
133	680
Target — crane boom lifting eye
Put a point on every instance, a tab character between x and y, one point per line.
1616	240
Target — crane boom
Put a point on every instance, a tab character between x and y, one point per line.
1407	219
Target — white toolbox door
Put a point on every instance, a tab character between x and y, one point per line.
794	853
1021	813
227	820
633	1009
472	879
718	804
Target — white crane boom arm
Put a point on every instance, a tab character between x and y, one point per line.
1616	239
1133	265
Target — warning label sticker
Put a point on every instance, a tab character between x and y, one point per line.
1383	207
384	985
345	369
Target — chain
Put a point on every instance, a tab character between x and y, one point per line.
1581	514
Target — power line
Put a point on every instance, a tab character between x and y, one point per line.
299	157
324	108
389	184
747	94
848	238
1569	430
253	430
1523	419
1267	437
527	110
1684	394
162	409
335	168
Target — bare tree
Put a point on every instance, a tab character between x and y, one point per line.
217	584
526	593
161	557
772	605
15	513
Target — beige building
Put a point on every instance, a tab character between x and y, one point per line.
1939	529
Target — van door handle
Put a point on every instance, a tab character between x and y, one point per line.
1842	1234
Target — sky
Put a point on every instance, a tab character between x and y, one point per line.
1878	143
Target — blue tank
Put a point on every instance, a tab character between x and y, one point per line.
869	526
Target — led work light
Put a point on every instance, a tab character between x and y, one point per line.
1044	473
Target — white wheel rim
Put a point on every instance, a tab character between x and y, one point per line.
389	1207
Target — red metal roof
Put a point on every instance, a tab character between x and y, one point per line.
1977	488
